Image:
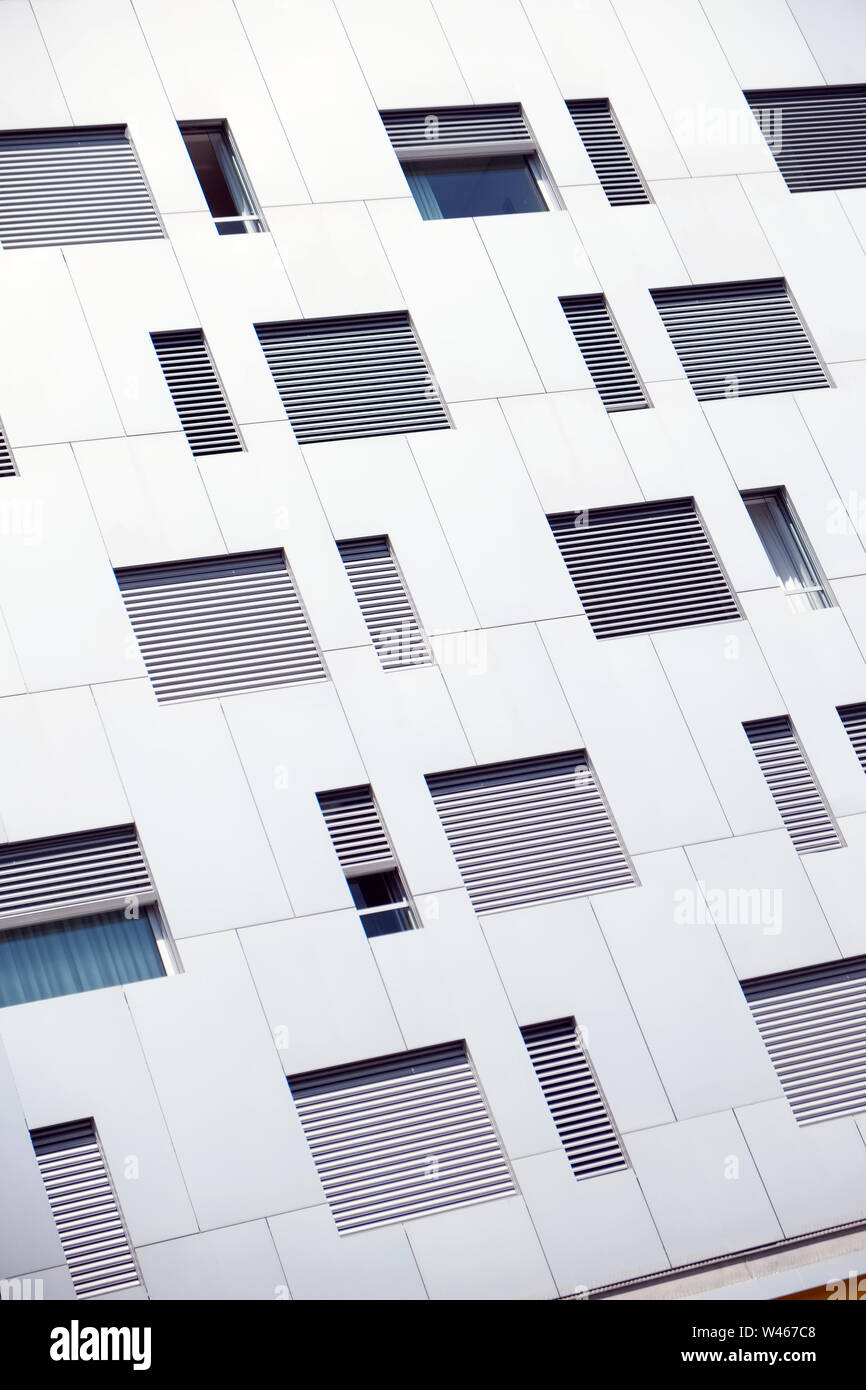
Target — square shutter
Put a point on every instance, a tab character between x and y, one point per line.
792	784
610	157
604	352
579	1112
7	463
68	874
497	129
384	602
644	567
854	722
356	829
743	338
84	183
196	391
530	831
85	1208
401	1136
350	378
220	625
813	1023
817	134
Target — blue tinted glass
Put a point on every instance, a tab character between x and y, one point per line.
475	187
383	923
42	962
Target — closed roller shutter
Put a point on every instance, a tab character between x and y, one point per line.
7	463
817	134
643	568
85	1208
604	353
740	339
356	828
58	187
802	807
617	172
221	625
575	1101
813	1023
401	1136
854	720
530	831
197	394
384	602
448	127
68	873
349	378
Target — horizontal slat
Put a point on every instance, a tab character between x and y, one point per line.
604	352
197	394
7	463
439	127
854	721
817	134
384	602
602	139
68	872
576	1103
795	792
356	829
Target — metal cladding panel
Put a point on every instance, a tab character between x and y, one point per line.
401	1136
68	873
350	378
817	134
220	625
384	602
813	1023
643	567
579	1112
530	831
604	352
356	828
796	794
617	172
196	391
744	338
854	721
58	187
441	127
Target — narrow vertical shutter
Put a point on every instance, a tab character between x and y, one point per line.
401	1137
85	1208
196	391
220	625
349	378
58	187
356	828
817	134
797	795
384	602
643	567
579	1112
604	352
447	128
744	338
813	1023
854	722
602	138
65	874
7	463
530	831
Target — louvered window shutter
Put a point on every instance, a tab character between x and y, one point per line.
579	1112
80	184
356	828
817	134
604	352
643	568
196	391
740	339
7	463
531	831
401	1137
447	129
220	625
813	1023
384	602
68	874
349	378
797	795
854	721
602	138
85	1208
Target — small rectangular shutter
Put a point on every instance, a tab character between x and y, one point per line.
85	1208
431	129
356	828
579	1112
604	352
813	1023
384	602
66	874
817	134
530	831
401	1136
220	625
854	722
350	378
797	795
740	339
602	138
58	187
7	463
196	391
644	567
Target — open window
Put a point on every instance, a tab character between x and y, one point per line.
222	176
367	859
787	549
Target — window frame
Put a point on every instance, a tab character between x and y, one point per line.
802	548
221	127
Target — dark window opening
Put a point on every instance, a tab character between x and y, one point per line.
476	187
223	178
382	902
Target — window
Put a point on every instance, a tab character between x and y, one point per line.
222	176
793	785
579	1112
385	603
368	861
530	831
611	158
854	723
7	463
644	567
604	352
787	549
84	183
196	391
816	134
470	161
401	1136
